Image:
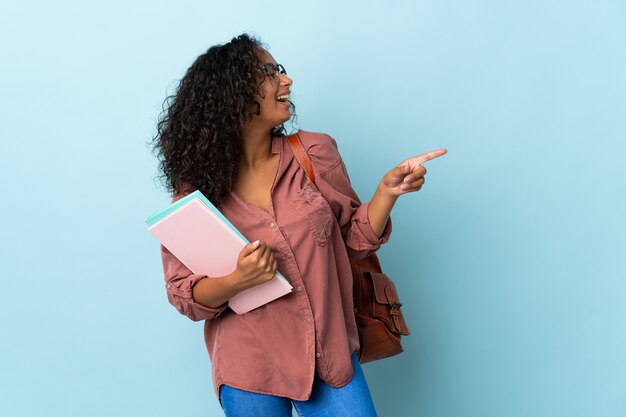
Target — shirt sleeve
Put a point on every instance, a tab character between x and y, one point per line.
334	184
179	282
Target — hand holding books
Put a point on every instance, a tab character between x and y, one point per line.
255	265
199	235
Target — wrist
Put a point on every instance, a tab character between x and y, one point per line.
383	192
234	282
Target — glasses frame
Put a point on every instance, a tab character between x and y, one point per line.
278	68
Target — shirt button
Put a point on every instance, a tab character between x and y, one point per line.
169	285
272	225
318	354
308	319
307	192
299	289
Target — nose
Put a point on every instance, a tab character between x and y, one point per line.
284	80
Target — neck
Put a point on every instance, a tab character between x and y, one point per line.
256	147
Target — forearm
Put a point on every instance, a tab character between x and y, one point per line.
215	291
379	210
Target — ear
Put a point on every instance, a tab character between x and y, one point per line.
257	110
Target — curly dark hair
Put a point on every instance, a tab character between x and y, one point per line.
198	140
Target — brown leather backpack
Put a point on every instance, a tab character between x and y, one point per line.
376	304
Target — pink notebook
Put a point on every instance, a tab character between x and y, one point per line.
203	239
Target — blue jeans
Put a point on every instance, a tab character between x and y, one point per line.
351	400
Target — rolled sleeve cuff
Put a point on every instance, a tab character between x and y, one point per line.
182	298
362	236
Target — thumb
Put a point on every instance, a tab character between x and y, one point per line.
249	248
401	170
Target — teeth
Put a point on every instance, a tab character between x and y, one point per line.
283	97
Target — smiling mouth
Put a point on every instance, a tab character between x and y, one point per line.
283	99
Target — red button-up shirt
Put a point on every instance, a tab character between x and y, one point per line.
311	229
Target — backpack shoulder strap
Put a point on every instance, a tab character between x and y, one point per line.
301	155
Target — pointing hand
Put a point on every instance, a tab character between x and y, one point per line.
409	175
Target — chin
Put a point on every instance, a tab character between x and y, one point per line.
283	120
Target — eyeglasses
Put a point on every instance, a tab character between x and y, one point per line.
271	69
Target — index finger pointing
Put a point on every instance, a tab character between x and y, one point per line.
430	155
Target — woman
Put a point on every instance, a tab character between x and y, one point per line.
223	134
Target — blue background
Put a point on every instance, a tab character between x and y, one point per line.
510	261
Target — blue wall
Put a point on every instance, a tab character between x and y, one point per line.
510	261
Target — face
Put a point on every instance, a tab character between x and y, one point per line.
275	107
